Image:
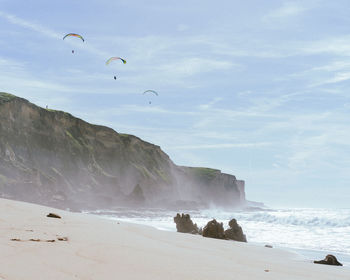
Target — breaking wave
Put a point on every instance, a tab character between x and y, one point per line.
300	217
310	229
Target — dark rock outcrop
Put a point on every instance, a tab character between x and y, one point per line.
214	229
330	260
53	158
136	197
53	215
184	224
235	232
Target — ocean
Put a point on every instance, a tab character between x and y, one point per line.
312	233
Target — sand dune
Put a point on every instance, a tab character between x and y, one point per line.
79	246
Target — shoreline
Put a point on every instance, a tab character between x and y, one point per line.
309	254
312	254
305	253
83	246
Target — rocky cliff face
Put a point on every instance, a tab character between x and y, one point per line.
53	158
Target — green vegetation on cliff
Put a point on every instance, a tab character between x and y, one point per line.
204	173
6	97
51	157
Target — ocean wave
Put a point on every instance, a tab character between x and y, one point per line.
307	218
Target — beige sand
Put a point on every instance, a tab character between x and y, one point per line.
103	249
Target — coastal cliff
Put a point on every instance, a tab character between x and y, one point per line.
52	158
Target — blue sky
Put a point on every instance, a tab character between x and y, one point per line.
258	89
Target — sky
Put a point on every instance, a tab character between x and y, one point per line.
257	89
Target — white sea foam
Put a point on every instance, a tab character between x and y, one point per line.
309	229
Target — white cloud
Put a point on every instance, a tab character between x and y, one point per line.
126	109
182	27
333	66
244	92
210	104
10	65
337	78
30	25
219	146
49	33
15	78
193	66
339	45
288	9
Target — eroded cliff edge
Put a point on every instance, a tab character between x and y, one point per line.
52	158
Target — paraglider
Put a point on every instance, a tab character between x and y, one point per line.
73	35
115	58
150	91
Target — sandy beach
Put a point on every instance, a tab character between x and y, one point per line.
81	246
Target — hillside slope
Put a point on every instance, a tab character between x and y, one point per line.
51	157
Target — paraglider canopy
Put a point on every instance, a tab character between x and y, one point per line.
74	35
115	58
151	91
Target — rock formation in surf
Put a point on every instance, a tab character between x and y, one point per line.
184	224
214	229
235	232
